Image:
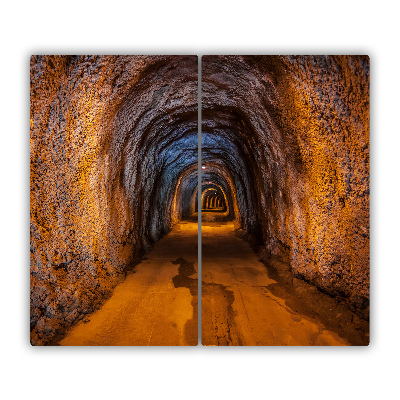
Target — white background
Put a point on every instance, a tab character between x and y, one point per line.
202	27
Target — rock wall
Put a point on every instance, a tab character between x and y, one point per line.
294	133
110	138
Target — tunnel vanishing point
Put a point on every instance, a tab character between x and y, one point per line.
114	161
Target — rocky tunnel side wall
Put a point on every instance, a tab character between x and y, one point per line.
294	133
110	138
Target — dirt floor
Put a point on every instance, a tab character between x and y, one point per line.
156	305
243	305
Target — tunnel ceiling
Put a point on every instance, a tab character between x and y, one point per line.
114	153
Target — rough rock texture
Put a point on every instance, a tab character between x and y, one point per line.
111	138
294	134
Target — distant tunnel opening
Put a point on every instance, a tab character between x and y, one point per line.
212	200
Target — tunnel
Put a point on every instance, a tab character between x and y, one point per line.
283	194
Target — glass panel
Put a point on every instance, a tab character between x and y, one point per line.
285	200
114	155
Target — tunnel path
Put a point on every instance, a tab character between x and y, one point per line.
154	306
157	304
238	307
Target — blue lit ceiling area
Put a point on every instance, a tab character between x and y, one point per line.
154	148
